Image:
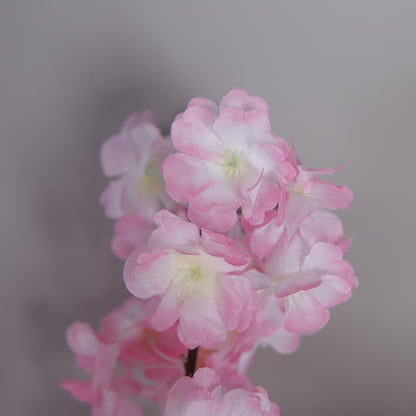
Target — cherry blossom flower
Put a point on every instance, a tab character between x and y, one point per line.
133	157
306	281
205	395
108	394
247	254
198	277
303	207
156	357
228	158
126	359
129	326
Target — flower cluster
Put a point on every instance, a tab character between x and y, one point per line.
230	244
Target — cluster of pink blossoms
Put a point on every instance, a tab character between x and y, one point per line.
230	244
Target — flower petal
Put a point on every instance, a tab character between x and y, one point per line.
305	314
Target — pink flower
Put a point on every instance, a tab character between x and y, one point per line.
198	278
267	328
248	253
205	395
303	207
126	359
133	157
109	395
228	159
155	357
129	327
306	281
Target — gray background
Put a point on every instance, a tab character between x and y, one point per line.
339	77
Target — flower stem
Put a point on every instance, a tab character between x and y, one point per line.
190	363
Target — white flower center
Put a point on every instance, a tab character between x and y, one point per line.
193	275
231	164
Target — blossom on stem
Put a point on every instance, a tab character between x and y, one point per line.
307	281
133	156
304	207
228	158
205	395
155	357
129	326
109	395
197	277
126	359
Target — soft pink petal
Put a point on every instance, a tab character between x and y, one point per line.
173	232
206	378
147	274
114	404
216	194
264	238
302	281
333	291
298	208
285	259
143	140
200	324
271	155
237	302
111	198
239	129
104	365
305	315
236	403
186	386
283	342
116	155
222	246
209	105
192	133
241	99
168	311
81	390
261	199
202	408
81	339
323	256
322	225
328	258
218	218
216	397
136	119
122	323
139	199
331	196
184	176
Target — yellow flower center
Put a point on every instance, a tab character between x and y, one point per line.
194	273
151	182
297	190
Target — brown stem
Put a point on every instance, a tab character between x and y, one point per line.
190	363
